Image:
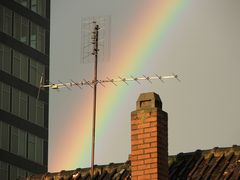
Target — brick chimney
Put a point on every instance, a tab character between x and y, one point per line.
149	139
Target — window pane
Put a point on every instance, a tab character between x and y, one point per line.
40	113
4	136
41	39
8	22
5	58
20	65
3	170
24	67
14	140
33	40
34	5
39	150
5	97
15	101
21	26
22	142
13	173
32	109
17	26
1	18
31	147
23	105
24	3
25	30
33	72
16	64
1	53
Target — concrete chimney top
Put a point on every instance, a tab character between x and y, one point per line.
149	100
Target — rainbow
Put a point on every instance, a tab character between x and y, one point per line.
138	45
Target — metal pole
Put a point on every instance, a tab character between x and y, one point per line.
94	97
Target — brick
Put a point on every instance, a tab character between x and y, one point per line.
151	119
153	165
134	127
150	150
142	167
143	146
136	121
154	134
144	156
138	162
154	124
134	137
154	176
154	155
151	129
138	131
134	168
151	171
137	152
151	139
136	142
150	161
144	177
137	173
144	135
144	125
134	148
134	158
154	144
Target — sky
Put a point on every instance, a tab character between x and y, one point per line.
198	40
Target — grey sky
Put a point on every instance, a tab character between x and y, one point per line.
202	46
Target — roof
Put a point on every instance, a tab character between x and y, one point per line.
216	163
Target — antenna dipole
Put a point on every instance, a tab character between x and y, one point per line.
93	84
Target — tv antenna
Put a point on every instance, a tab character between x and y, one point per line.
91	52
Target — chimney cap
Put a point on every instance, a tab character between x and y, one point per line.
149	100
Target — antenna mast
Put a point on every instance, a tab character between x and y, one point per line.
95	53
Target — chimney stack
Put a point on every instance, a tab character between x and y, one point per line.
149	139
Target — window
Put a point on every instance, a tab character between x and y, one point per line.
37	38
18	141
21	28
35	149
5	20
20	66
16	173
36	111
3	170
4	136
39	6
24	3
40	113
19	103
36	71
5	58
4	97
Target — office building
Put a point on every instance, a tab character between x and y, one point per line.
24	58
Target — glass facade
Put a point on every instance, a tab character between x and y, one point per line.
6	20
22	29
22	105
23	61
4	136
37	6
22	143
5	58
21	66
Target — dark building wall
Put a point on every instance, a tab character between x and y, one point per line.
24	57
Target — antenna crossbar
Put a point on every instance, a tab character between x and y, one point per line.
84	82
